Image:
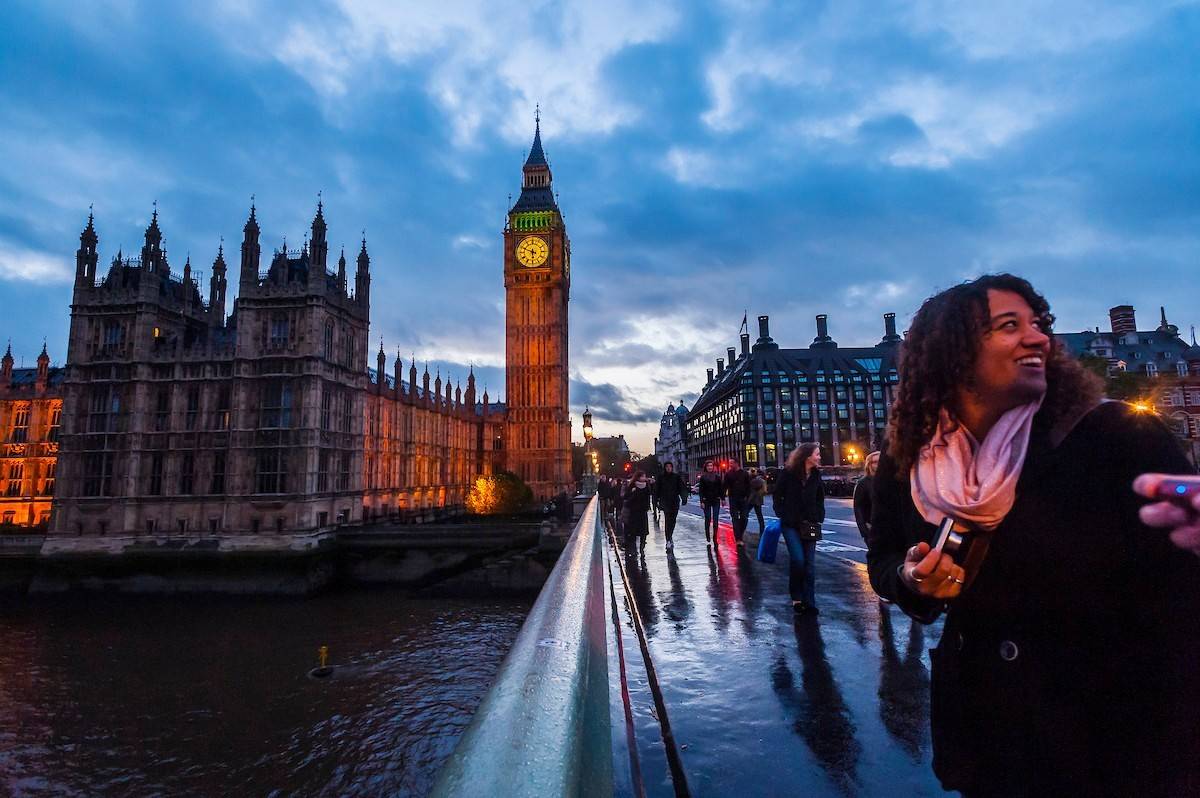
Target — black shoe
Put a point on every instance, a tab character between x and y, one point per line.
799	607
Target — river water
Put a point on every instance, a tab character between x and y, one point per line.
211	696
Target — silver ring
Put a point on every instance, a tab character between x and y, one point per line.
917	579
956	580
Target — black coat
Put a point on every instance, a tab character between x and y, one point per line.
737	484
711	488
637	504
1102	613
862	504
797	500
671	490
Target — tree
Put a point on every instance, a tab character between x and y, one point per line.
502	493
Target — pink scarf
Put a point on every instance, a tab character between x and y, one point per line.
973	483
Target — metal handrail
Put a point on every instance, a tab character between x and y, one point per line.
543	729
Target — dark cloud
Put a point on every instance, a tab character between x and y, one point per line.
610	403
788	159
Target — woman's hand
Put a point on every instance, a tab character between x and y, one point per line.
1182	518
930	573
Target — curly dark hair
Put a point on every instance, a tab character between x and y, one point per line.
939	355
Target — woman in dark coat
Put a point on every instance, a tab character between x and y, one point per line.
711	491
1069	663
799	504
637	505
862	494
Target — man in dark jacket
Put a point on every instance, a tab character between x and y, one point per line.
737	486
670	492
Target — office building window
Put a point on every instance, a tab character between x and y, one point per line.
192	412
156	474
751	453
162	410
276	409
217	484
16	474
271	471
55	424
48	478
97	474
20	426
221	414
187	473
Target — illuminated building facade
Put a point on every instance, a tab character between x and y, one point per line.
1165	366
537	284
761	403
30	420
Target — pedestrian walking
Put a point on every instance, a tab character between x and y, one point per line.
799	503
862	495
670	493
711	492
618	501
758	493
737	488
637	507
1068	663
653	483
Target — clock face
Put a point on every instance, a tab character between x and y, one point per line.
532	251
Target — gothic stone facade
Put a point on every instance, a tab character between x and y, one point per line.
537	282
178	420
31	419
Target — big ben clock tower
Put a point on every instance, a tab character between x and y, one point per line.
537	286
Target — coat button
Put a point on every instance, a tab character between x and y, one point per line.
1009	651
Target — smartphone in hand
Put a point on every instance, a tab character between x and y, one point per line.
1178	489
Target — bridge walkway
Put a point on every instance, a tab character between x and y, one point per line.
763	702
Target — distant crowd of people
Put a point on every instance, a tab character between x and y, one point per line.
1011	498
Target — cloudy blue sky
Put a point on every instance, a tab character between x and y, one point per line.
786	159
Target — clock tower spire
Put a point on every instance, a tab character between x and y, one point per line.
537	283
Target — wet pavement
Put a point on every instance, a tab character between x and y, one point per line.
766	703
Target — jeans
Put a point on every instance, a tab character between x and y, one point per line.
711	511
801	574
669	516
739	515
757	511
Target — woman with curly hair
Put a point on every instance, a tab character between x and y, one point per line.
1070	658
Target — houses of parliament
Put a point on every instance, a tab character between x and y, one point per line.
170	417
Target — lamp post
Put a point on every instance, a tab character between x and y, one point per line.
589	482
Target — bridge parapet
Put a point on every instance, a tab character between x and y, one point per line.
544	726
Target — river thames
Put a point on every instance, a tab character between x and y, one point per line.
114	695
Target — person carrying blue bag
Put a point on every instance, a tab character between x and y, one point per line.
799	503
768	541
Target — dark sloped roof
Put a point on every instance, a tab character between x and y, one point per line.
27	378
536	156
1150	345
536	199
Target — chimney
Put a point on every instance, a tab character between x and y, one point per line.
1122	319
720	366
731	356
745	344
710	378
823	339
889	329
764	341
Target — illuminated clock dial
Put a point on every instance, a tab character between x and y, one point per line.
532	251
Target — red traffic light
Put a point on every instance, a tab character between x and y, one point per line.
628	467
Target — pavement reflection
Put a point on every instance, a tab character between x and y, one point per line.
765	703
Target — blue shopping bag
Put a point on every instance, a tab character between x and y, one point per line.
768	543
